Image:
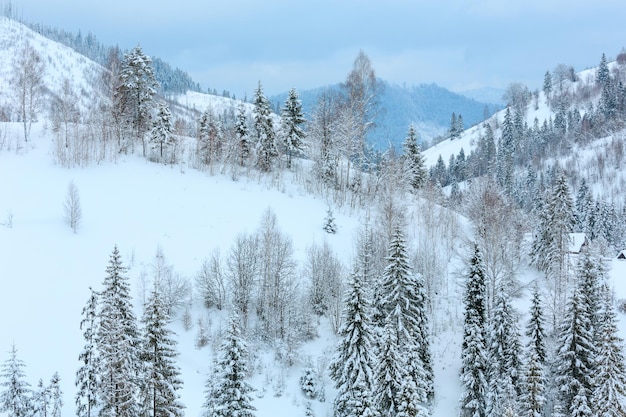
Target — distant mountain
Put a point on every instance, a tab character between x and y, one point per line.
485	95
428	106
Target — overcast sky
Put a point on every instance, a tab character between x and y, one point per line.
458	44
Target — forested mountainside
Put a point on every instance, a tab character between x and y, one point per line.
196	255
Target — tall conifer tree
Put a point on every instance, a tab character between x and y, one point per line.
474	350
86	399
231	390
293	119
15	397
610	376
161	377
118	344
264	131
351	369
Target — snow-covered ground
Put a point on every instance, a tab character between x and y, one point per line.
46	270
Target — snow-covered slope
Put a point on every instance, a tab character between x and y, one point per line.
46	270
60	63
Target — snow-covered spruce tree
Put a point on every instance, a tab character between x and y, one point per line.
403	293
506	149
264	131
230	390
56	395
15	397
160	381
590	277
210	138
134	95
504	364
415	172
211	389
474	348
352	367
534	383
292	121
574	357
161	137
390	373
610	376
41	400
329	222
118	344
86	399
242	132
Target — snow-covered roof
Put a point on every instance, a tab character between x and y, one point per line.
576	242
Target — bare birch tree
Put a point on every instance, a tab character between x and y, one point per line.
28	85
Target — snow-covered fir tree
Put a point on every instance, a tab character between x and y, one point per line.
41	400
292	121
610	375
161	137
232	394
574	358
87	376
118	344
533	398
242	131
390	374
134	97
160	381
210	138
329	222
415	171
590	272
401	304
474	347
504	364
352	367
404	295
506	149
264	131
211	389
56	395
15	394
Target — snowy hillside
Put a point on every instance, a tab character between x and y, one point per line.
596	158
176	216
60	63
47	270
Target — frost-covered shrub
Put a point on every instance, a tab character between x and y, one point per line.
308	383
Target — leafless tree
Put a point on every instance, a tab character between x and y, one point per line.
175	289
277	282
65	111
361	89
211	281
243	266
73	213
324	272
517	96
498	232
28	85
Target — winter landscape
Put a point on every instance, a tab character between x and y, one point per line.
167	251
